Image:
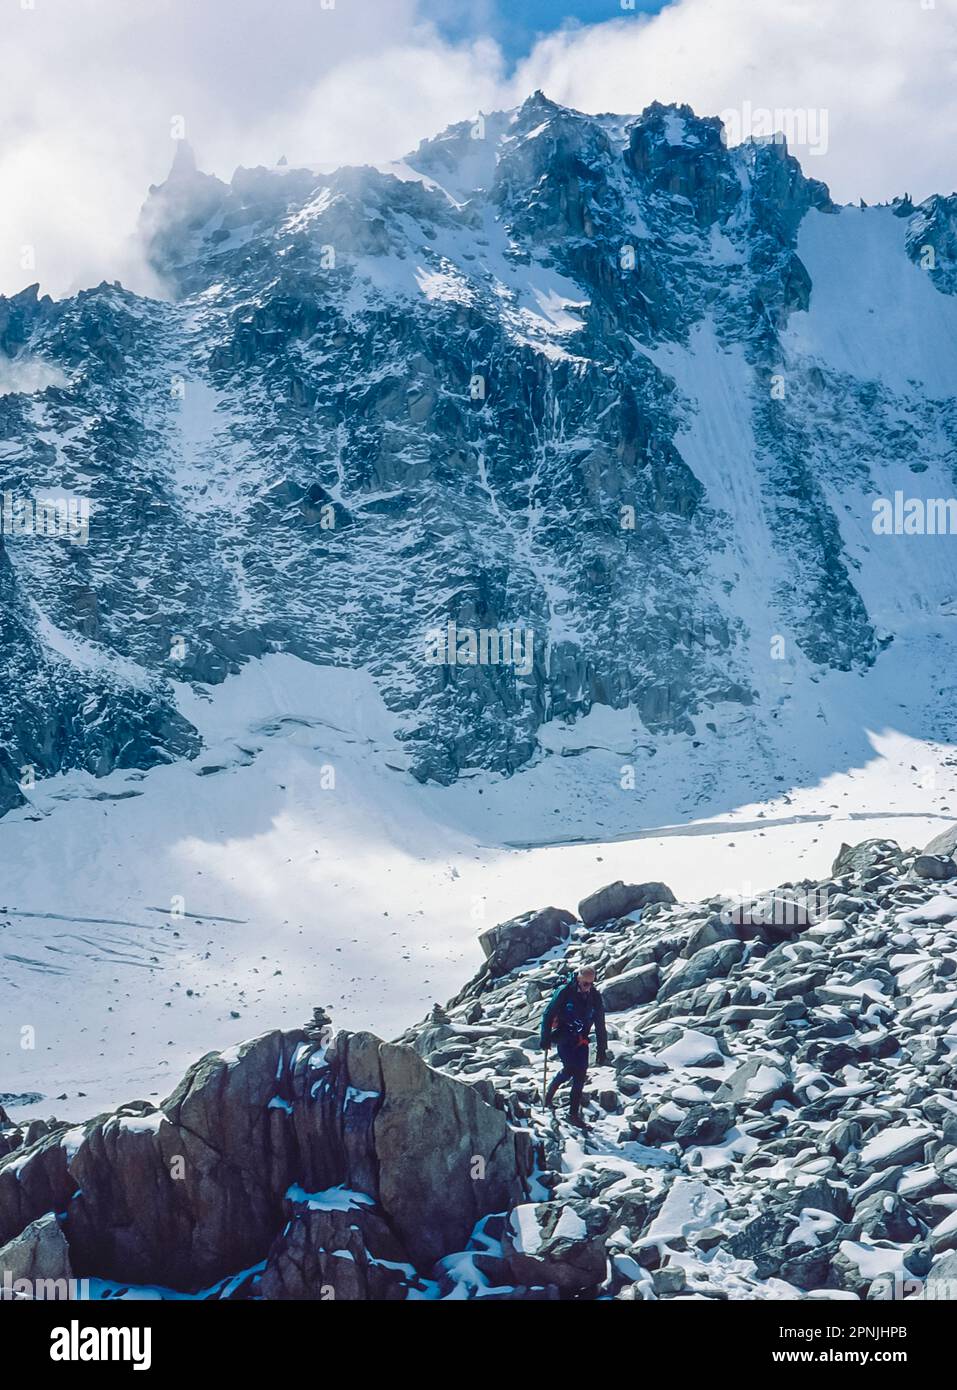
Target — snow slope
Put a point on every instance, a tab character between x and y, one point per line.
296	863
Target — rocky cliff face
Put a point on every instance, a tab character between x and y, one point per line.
779	1120
560	375
323	1171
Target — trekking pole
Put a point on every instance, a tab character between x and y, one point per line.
545	1077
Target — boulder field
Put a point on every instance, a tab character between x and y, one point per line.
779	1119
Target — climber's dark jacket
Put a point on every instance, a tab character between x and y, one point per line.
569	1017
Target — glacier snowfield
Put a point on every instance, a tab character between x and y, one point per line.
148	918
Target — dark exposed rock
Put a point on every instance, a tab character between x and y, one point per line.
935	866
555	1243
885	1216
434	1136
342	1255
34	1179
824	1196
195	1190
713	962
808	1271
620	898
633	987
512	943
190	1192
704	1124
762	1240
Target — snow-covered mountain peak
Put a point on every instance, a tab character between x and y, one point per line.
599	381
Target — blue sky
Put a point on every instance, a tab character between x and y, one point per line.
516	23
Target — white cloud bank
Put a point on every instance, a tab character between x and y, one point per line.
91	88
883	71
28	374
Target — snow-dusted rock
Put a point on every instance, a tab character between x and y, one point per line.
618	899
634	987
510	944
551	1243
897	1144
756	1084
713	962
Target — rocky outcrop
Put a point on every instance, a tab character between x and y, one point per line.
192	1191
40	1252
931	238
247	1159
349	1255
429	1139
943	844
557	1243
511	943
34	1178
618	899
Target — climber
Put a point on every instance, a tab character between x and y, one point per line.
567	1021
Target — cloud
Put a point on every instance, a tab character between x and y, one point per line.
91	89
379	106
881	73
28	374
